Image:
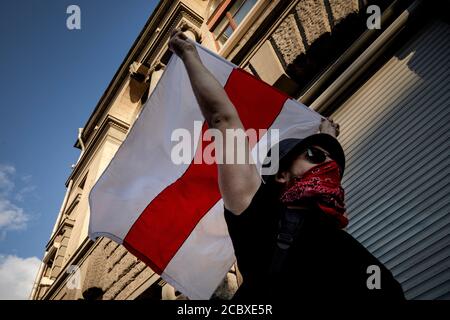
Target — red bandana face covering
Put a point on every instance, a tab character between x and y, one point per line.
320	185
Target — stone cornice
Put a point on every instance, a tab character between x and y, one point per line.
101	132
65	223
182	16
72	204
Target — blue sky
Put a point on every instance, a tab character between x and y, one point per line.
51	78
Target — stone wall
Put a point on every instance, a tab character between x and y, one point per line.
112	273
315	32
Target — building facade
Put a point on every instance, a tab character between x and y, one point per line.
383	77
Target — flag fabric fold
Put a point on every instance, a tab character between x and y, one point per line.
171	215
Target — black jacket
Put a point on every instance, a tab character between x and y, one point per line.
323	262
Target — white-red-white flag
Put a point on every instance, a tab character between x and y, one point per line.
171	215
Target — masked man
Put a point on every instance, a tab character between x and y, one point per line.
286	228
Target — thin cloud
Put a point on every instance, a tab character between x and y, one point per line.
23	192
6	183
26	178
12	216
17	276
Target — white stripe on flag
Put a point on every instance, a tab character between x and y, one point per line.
122	192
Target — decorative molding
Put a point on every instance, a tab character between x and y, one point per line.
139	72
181	17
51	251
107	123
158	65
72	205
186	26
65	223
46	282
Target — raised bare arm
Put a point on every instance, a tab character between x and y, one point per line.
238	183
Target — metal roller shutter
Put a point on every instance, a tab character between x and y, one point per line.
395	131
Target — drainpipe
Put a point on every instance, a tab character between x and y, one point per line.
80	140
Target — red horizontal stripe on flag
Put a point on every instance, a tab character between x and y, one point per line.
171	216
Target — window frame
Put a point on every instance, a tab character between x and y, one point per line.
219	14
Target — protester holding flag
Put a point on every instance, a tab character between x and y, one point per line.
286	227
162	195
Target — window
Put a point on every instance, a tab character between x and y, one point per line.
213	7
227	17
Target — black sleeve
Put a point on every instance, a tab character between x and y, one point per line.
247	234
237	224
